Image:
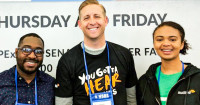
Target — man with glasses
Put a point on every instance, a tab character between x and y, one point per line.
24	83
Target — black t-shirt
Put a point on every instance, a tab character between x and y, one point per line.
71	74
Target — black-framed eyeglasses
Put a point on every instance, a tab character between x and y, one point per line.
28	51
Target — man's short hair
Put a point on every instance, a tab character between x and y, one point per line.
89	2
28	35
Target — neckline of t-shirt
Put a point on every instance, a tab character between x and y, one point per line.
90	55
92	51
178	73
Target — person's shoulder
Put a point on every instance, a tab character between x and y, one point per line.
7	77
7	73
142	78
150	72
72	52
192	69
75	48
118	47
4	73
46	77
191	66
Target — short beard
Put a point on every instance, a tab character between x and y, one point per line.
21	67
26	71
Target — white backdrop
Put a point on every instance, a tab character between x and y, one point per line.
131	24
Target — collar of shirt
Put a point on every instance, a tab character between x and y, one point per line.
40	77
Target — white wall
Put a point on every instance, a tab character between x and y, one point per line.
64	37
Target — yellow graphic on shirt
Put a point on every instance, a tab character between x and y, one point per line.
99	87
192	91
100	81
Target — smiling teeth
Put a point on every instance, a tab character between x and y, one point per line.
166	50
31	62
93	29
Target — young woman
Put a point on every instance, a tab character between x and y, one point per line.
171	81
